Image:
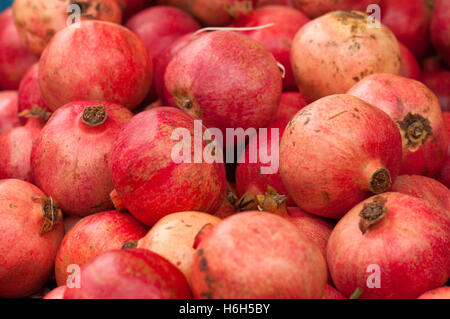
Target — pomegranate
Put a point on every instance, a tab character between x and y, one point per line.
408	19
440	29
173	237
38	21
145	160
278	38
410	66
57	293
426	188
290	104
257	255
112	65
438	81
92	236
243	90
8	110
418	115
69	158
31	233
390	246
130	274
14	57
337	151
438	293
16	145
315	8
228	206
331	293
131	7
333	52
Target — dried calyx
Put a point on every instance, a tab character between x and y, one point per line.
35	111
51	212
372	213
416	129
130	244
271	202
94	115
380	181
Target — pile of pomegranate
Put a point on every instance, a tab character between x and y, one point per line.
237	149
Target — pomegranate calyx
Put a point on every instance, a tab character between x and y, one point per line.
130	244
238	9
415	129
356	294
36	111
94	115
372	213
380	181
186	103
271	202
51	212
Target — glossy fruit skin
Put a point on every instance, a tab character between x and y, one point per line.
57	293
69	159
113	65
410	67
400	97
14	57
16	145
220	271
8	110
437	194
333	52
39	20
440	29
438	293
438	81
194	81
173	237
409	20
278	38
92	236
130	274
407	269
332	293
331	151
28	256
146	140
315	8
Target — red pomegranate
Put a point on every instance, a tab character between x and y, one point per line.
438	293
440	29
410	66
31	233
8	110
57	293
278	38
130	274
92	236
257	255
315	8
69	158
146	159
131	7
390	246
438	81
290	104
14	57
112	65
337	151
331	293
418	115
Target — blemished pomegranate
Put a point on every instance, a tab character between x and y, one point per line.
14	57
440	29
146	160
426	188
113	65
315	8
277	38
410	67
57	293
417	112
8	110
206	89
409	20
16	145
92	236
332	293
337	151
69	158
31	233
374	248
173	237
38	21
279	262
438	81
130	274
333	52
438	293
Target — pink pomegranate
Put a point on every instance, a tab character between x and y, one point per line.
257	255
438	81
374	247
426	188
57	293
410	66
14	57
92	236
332	293
243	90
130	274
69	158
150	156
16	145
278	38
337	151
112	65
440	29
31	233
438	293
131	7
315	8
8	110
417	112
409	20
38	21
